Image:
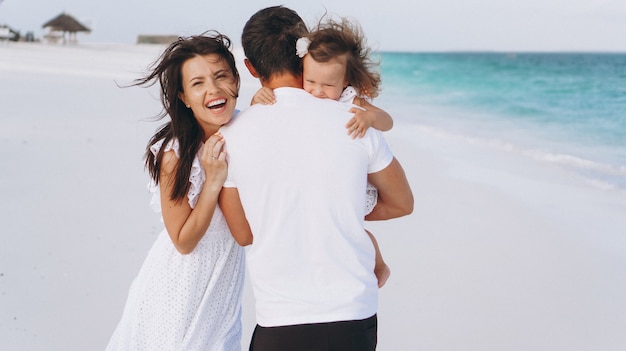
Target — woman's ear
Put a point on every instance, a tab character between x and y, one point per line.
181	96
250	68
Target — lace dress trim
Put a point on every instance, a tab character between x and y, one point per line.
196	177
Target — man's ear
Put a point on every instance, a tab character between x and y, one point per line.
250	68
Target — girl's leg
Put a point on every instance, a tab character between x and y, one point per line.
381	269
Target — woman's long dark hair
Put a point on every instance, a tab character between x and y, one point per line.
182	125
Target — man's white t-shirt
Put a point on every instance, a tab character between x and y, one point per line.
301	179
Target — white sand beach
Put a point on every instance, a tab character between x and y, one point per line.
503	252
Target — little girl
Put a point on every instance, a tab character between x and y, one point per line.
336	65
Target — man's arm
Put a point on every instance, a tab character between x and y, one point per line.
231	207
395	198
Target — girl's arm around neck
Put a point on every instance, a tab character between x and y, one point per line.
372	116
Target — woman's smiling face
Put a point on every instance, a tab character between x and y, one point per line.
210	90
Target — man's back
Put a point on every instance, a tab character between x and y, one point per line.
301	180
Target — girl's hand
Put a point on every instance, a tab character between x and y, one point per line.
213	161
264	96
367	115
362	120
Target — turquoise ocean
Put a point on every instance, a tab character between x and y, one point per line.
567	109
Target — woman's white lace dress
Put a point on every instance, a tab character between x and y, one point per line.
185	302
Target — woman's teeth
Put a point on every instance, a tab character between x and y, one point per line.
216	103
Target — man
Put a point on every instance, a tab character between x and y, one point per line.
301	180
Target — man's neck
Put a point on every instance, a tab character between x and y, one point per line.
286	80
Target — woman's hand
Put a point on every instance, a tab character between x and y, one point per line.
213	161
186	226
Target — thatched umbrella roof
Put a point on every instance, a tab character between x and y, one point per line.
65	23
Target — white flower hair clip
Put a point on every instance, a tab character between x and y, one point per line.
302	46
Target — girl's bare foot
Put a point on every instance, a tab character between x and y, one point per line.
382	273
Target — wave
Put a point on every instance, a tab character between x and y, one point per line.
601	175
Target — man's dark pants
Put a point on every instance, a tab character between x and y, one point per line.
357	335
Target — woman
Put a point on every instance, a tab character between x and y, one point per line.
187	295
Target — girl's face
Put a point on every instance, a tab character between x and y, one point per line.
209	89
324	79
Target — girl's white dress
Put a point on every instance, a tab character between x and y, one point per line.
185	302
371	193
